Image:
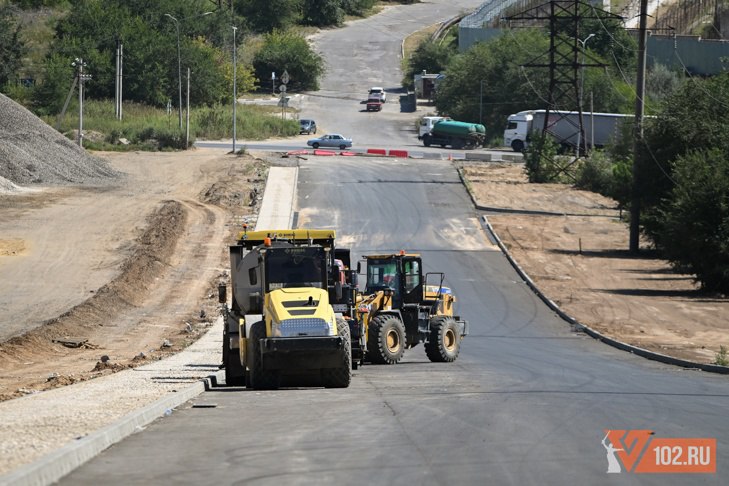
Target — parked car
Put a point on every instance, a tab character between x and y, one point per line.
330	140
307	126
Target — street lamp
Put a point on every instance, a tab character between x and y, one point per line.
179	62
235	101
582	84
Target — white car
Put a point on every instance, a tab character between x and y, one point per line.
378	91
330	140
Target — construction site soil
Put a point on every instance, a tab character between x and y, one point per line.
147	273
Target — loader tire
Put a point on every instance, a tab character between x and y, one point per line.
386	340
260	378
444	342
340	377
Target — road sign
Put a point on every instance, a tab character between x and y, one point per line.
285	77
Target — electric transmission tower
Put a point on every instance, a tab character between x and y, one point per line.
565	59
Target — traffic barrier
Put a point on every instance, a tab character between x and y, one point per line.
377	151
324	152
348	153
399	153
298	152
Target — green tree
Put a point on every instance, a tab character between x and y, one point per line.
661	82
92	28
696	219
289	51
269	15
491	72
323	13
357	7
429	56
49	96
692	117
12	47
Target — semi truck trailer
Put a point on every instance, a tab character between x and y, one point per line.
600	129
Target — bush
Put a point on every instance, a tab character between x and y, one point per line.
595	173
540	159
695	221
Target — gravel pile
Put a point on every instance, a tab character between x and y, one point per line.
31	152
7	186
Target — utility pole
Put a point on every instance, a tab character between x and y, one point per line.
179	61
179	72
79	63
118	84
480	105
235	87
583	43
187	113
638	135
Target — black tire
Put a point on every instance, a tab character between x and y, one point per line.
426	141
260	378
458	144
386	340
315	131
235	373
444	342
315	145
340	377
517	146
342	147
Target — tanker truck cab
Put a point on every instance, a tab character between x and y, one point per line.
427	123
280	321
517	129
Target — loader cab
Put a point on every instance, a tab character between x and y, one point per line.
401	274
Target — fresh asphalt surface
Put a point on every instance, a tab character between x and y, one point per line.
527	402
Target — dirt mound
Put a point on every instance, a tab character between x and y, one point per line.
154	249
31	152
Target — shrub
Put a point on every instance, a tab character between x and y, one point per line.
540	159
695	219
595	173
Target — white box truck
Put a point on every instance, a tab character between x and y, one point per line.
599	128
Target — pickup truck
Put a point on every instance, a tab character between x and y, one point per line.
379	92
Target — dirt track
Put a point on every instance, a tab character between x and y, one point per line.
118	269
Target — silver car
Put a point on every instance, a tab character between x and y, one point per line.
307	126
330	140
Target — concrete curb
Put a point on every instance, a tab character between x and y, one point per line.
61	462
572	321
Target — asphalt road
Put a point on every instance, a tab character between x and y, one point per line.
527	402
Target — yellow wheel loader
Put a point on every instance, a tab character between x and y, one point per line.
401	307
280	321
